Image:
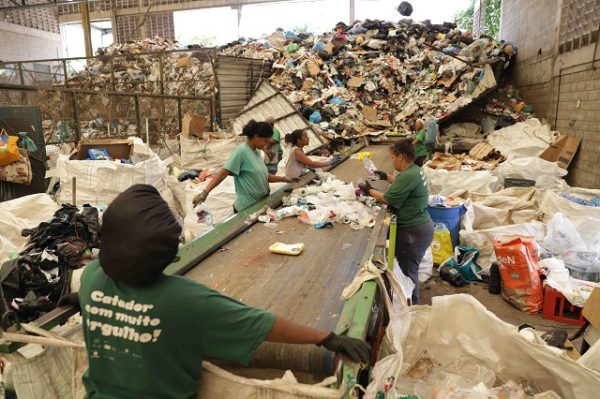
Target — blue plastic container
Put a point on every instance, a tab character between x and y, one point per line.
450	217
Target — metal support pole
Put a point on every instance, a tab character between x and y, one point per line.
75	117
392	243
21	76
112	72
352	12
87	30
64	64
179	114
161	66
138	117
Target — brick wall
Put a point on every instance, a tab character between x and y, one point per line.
556	38
43	18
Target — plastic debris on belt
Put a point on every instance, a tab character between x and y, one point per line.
377	76
333	201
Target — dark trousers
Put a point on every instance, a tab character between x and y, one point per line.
411	245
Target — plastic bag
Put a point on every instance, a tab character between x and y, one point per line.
520	273
9	151
465	260
562	236
426	266
441	246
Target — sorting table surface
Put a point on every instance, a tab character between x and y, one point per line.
306	288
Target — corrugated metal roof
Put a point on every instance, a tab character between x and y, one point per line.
237	78
266	102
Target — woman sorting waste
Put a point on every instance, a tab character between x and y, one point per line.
250	174
407	196
419	142
297	161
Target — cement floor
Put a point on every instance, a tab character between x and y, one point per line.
435	286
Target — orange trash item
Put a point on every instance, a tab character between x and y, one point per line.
520	272
9	150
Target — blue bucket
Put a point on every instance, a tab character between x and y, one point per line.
450	217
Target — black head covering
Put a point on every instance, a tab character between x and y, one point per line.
139	236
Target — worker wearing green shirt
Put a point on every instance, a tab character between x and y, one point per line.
146	333
419	143
273	151
408	197
250	175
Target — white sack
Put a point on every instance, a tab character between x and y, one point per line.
552	203
443	182
515	205
524	139
545	174
426	266
99	182
483	240
207	153
457	329
19	214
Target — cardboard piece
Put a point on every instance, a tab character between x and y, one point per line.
313	69
116	148
369	113
562	151
591	310
183	62
193	125
481	151
356	81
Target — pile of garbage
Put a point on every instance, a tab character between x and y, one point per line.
136	66
376	75
33	282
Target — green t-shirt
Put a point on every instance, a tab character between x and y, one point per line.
148	342
275	150
408	196
251	177
420	148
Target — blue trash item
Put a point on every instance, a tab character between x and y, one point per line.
98	154
450	217
337	101
290	35
315	117
26	142
319	46
465	260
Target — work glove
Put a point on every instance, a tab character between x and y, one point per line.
71	299
381	174
291	180
356	349
334	161
200	198
365	186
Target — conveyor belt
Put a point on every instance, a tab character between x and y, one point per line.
305	289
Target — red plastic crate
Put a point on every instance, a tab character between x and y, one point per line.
556	307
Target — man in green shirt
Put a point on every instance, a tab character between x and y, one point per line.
408	197
419	142
146	333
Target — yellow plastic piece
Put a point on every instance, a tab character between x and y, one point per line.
361	155
287	249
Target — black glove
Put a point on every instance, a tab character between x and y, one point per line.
382	175
356	349
71	299
365	186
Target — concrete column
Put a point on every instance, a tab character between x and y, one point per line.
87	30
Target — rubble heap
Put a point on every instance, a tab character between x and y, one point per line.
378	75
136	69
